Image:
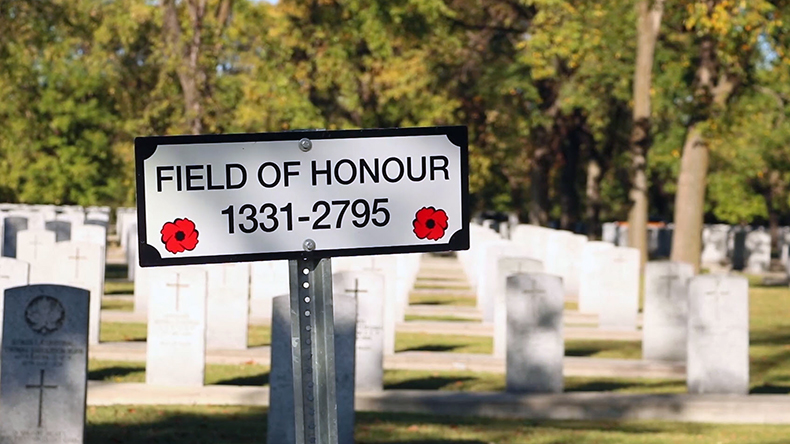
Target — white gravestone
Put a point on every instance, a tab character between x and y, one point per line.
590	277
535	346
758	247
268	280
281	424
367	288
82	265
92	234
176	352
490	285
718	335
227	306
508	265
619	288
35	248
13	273
534	239
666	311
714	244
44	365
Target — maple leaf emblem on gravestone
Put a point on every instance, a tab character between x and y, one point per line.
45	314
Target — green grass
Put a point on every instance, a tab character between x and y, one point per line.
257	335
443	343
116	304
247	425
118	287
120	371
604	349
430	299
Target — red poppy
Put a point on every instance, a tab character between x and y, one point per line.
179	235
430	223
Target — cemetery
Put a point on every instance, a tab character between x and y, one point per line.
415	339
394	222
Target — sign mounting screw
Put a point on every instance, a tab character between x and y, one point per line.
305	145
309	244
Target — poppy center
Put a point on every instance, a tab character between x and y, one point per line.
430	223
180	236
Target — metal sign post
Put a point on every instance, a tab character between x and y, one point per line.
313	351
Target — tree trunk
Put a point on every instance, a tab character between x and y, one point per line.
713	90
593	192
648	24
539	173
690	200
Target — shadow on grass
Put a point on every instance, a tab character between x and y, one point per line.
254	380
116	271
429	383
160	425
109	373
770	389
610	386
433	348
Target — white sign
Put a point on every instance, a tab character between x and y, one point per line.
246	197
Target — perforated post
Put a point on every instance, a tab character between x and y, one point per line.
313	351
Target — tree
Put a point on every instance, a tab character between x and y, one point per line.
648	25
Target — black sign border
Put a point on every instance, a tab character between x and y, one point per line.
144	147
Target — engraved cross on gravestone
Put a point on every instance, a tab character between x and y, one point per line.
178	286
41	386
77	258
35	245
534	290
669	278
356	289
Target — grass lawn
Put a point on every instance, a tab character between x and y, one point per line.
435	318
118	287
110	303
242	425
769	353
257	335
439	299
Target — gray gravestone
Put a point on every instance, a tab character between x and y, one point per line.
11	226
367	288
507	266
35	248
61	228
758	247
281	394
44	365
176	345
738	248
535	346
718	336
666	311
81	265
227	306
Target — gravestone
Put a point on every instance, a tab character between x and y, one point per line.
61	228
176	352
622	235
43	375
367	288
142	288
714	244
268	280
13	273
738	240
666	311
281	425
619	288
35	248
533	239
490	283
609	232
590	277
92	234
758	248
82	265
12	224
227	306
718	336
664	242
132	261
535	345
507	265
